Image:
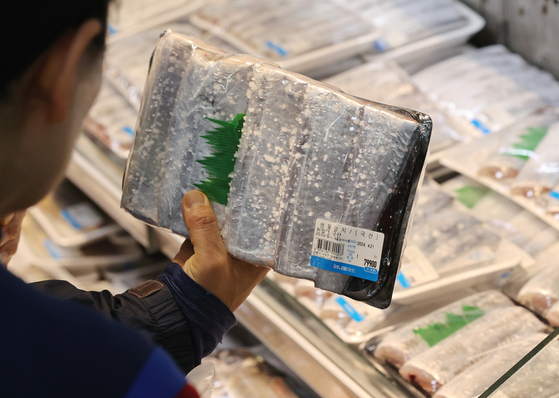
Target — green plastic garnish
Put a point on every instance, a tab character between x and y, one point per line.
469	196
529	142
436	332
225	142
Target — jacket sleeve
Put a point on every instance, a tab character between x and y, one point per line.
179	315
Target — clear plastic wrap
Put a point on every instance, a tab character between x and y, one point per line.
291	28
449	234
488	89
475	380
541	173
386	82
520	163
541	292
111	122
70	219
437	366
407	342
308	152
241	374
536	378
502	216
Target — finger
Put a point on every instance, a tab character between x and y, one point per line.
202	225
186	251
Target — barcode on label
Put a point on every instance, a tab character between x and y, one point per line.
330	246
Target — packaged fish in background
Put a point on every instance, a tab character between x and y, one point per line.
317	166
435	367
448	235
127	17
503	216
387	83
541	173
111	123
402	22
302	36
38	249
488	89
241	374
541	292
276	30
475	380
535	379
418	336
519	144
519	163
70	219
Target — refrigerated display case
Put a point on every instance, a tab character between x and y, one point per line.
312	340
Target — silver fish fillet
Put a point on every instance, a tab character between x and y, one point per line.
476	379
536	379
437	366
541	292
403	344
308	151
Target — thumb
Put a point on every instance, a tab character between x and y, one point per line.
201	222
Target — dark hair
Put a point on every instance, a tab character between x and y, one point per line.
44	21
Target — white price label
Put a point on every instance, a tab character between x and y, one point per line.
416	269
347	250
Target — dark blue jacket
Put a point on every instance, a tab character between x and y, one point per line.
69	345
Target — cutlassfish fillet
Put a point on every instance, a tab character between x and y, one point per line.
536	379
541	292
308	151
437	366
406	343
476	379
541	173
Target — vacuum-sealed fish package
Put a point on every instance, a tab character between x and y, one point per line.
304	178
541	292
437	366
416	337
476	379
536	378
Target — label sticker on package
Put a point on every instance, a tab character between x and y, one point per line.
347	250
416	269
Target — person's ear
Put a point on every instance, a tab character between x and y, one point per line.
56	75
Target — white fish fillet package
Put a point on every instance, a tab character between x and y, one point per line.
322	184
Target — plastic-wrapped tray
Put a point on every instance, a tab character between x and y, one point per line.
306	174
327	31
39	250
520	163
388	83
127	17
488	89
70	219
448	247
503	216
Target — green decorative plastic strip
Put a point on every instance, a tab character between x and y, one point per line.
469	196
436	332
224	140
529	142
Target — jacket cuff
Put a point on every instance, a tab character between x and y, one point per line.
208	317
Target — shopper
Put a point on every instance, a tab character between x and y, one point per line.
49	77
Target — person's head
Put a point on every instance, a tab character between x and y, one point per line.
52	56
